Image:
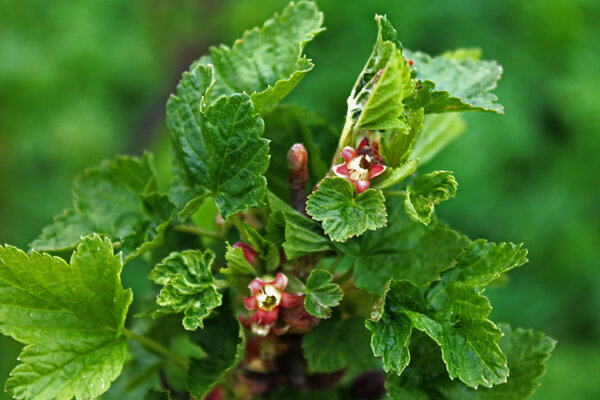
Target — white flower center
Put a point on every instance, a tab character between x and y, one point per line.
260	330
356	171
268	297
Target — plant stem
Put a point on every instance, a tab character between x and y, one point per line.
344	138
158	348
239	225
394	193
194	230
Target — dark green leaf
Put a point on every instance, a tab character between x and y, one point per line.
188	286
219	146
335	344
390	328
345	214
118	199
71	317
527	352
297	234
403	250
321	293
157	394
224	343
287	125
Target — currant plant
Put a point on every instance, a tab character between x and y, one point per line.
327	272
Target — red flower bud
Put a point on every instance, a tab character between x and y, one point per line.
217	394
249	251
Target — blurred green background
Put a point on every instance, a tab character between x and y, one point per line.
82	81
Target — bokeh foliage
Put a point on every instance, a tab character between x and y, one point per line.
81	81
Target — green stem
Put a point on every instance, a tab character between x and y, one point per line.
157	348
394	193
194	230
239	225
345	137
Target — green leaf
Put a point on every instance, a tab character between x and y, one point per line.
118	199
469	341
482	263
527	353
397	150
450	84
188	287
343	213
224	343
390	328
438	131
457	323
396	175
297	234
386	47
239	271
157	394
71	318
321	293
384	103
268	62
403	250
266	250
335	344
428	191
287	125
219	146
398	391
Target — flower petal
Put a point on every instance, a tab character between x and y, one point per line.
376	170
363	143
348	153
280	282
256	285
341	170
267	317
289	300
361	186
250	303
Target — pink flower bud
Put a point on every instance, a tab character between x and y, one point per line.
249	252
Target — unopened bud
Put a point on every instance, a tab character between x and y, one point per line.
249	252
217	394
297	158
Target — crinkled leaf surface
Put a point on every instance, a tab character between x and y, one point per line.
119	199
188	286
335	344
343	212
450	84
468	340
223	341
70	317
218	146
428	191
527	353
390	328
297	234
267	62
397	149
403	250
321	293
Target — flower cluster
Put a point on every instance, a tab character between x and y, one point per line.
265	301
361	164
